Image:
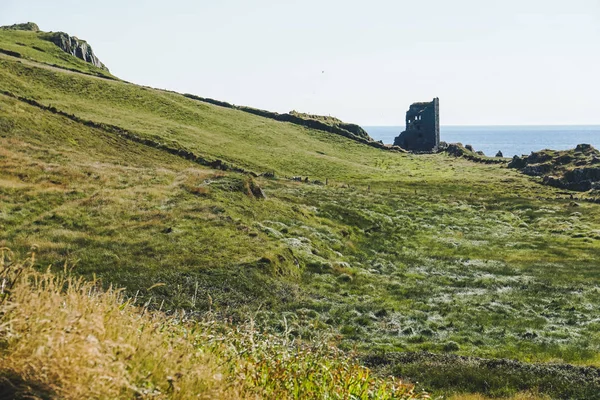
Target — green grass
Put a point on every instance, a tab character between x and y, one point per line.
398	252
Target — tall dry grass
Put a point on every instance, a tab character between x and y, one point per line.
81	342
64	337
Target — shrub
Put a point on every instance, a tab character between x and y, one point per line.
451	346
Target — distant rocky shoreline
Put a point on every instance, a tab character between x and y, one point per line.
577	169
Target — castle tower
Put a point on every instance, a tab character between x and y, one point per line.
422	127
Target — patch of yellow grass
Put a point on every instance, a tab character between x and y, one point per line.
84	343
64	337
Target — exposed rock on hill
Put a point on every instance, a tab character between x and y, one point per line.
577	169
334	122
28	26
458	150
76	47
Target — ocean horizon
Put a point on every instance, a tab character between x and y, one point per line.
509	139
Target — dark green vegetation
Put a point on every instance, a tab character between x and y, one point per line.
398	252
497	375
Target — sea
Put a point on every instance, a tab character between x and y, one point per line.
510	140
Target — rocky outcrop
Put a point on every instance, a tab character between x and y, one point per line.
334	122
458	150
28	26
76	47
577	169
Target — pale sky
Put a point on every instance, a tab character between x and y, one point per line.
490	63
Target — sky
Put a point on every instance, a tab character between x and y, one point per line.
509	62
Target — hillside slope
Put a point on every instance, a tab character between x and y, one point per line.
398	252
251	142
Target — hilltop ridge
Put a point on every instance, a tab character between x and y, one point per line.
27	26
82	50
68	44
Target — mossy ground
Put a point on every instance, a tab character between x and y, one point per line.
398	252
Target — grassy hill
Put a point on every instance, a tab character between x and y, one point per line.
396	253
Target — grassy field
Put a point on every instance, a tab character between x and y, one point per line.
397	253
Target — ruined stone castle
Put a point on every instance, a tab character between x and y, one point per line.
422	127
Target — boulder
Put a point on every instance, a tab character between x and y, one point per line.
585	148
517	162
